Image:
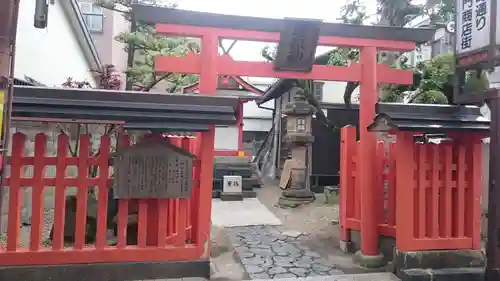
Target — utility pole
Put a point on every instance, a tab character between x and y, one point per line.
493	244
8	29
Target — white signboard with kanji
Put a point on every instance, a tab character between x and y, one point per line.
232	184
472	25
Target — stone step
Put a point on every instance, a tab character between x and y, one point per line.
444	274
246	194
243	172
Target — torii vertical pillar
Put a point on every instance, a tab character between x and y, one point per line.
208	86
369	255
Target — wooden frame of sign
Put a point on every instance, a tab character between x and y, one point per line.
470	17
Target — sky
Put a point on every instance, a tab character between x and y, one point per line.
326	10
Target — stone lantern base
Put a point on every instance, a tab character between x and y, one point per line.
298	193
295	198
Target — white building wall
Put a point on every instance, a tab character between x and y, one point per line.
333	92
119	56
252	110
226	138
49	55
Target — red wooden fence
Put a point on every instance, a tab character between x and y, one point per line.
428	194
439	195
168	229
350	191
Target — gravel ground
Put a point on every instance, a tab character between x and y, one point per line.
48	220
314	220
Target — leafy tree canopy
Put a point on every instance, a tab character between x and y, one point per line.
146	45
432	78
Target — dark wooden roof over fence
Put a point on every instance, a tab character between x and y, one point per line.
429	118
136	110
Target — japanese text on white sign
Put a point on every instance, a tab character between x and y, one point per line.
473	25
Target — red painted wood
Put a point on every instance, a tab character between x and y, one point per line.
348	147
60	193
448	191
162	223
239	123
231	153
144	251
195	197
433	220
14	216
250	35
227	66
209	64
92	255
357	183
82	192
406	185
187	145
37	193
459	200
422	191
181	222
142	221
122	223
102	200
368	99
379	185
123	205
391	184
152	217
208	86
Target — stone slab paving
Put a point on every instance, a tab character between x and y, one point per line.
248	212
266	252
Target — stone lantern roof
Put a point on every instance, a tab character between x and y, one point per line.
299	106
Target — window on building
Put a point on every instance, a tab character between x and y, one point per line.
443	45
437	47
318	90
93	16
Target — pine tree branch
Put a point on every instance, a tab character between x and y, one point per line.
156	81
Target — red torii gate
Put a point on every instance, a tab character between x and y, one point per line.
209	65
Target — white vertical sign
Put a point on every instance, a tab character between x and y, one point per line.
472	25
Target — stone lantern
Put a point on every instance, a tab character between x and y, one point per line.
298	137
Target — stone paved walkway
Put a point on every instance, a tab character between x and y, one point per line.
268	253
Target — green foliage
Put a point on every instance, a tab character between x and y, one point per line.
147	45
434	83
430	96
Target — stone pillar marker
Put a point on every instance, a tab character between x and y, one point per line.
232	188
299	137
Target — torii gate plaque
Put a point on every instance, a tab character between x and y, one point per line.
297	46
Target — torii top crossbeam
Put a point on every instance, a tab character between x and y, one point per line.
331	34
176	22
